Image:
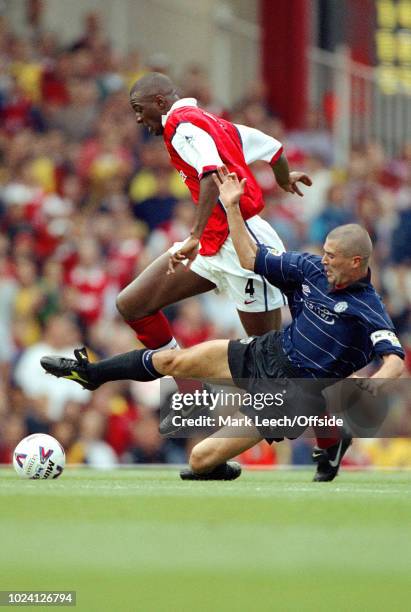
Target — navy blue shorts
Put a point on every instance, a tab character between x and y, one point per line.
261	357
260	365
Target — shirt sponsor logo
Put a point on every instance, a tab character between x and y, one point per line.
385	335
321	312
340	307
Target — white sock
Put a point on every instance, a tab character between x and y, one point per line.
173	344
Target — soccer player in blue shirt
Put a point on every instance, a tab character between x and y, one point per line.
339	324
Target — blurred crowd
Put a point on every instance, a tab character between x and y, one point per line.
88	200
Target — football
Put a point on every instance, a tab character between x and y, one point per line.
39	456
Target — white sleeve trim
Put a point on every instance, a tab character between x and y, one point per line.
257	145
196	147
385	335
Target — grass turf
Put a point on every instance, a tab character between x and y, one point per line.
142	540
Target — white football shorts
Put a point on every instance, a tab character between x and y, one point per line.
250	292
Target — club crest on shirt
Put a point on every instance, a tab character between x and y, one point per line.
183	176
306	289
340	307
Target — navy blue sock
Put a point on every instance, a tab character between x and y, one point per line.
135	365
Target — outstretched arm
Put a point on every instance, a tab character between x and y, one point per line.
392	367
260	146
231	190
288	180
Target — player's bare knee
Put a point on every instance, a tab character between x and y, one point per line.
178	364
163	362
121	304
201	460
131	307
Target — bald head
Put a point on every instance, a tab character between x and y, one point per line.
153	84
352	240
151	97
347	250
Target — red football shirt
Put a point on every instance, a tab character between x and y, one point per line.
198	142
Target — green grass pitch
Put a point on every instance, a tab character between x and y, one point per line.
142	540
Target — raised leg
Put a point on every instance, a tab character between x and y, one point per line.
154	289
208	360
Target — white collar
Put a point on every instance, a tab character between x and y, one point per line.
178	104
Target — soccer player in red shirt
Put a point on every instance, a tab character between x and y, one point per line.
199	142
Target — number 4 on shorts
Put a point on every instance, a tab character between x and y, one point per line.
249	288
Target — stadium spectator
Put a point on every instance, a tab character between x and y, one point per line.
149	447
190	327
87	283
60	335
8	290
333	214
90	448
